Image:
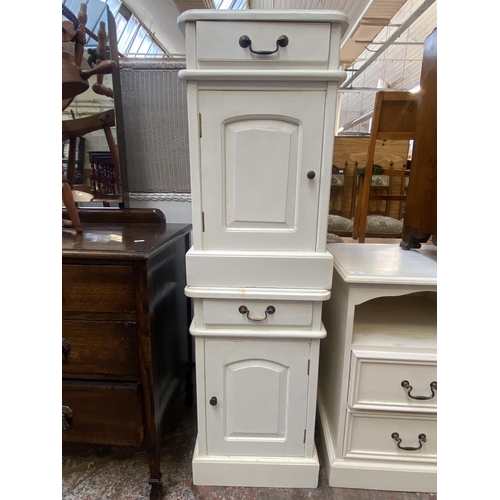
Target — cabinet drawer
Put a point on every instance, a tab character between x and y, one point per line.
103	413
250	313
99	349
370	435
97	288
218	42
377	382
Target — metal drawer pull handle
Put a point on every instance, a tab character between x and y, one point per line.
213	401
65	348
245	42
67	415
244	310
433	386
422	438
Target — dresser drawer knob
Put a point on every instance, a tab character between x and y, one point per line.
65	348
269	310
67	416
409	388
245	42
213	401
422	438
311	174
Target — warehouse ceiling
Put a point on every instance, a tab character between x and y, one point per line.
381	49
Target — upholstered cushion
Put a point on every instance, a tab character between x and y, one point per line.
380	224
333	238
380	180
337	180
338	223
375	224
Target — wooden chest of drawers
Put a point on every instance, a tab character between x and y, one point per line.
125	333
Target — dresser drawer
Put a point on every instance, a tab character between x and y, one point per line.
90	288
371	435
103	413
288	314
100	349
218	45
401	384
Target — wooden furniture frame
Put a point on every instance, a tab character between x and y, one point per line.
394	117
126	346
421	207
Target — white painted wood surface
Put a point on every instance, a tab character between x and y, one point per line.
381	330
258	125
242	269
294	16
260	388
217	41
266	142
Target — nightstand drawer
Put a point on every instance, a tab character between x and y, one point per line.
97	288
269	313
305	45
104	413
100	349
408	384
389	437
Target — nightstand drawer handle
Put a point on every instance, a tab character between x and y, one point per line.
245	42
213	401
422	438
269	310
67	415
65	348
409	388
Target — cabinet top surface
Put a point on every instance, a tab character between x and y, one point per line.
122	241
385	263
305	16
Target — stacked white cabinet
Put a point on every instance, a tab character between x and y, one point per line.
262	94
378	380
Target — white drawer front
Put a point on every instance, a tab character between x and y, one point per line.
218	43
377	382
370	435
252	313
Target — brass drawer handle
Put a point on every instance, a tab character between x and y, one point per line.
65	348
245	42
422	438
269	310
67	416
409	388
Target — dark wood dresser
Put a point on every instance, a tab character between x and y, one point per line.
125	327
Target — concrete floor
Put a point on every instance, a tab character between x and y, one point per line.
121	473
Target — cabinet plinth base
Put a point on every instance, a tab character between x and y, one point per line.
371	474
279	472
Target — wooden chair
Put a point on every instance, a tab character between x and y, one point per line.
337	187
394	118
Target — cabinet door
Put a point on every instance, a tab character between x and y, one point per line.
257	148
261	397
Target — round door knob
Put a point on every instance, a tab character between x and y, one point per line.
213	400
311	174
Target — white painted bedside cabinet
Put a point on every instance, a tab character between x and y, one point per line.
378	380
262	95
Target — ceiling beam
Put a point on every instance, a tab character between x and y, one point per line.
404	26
